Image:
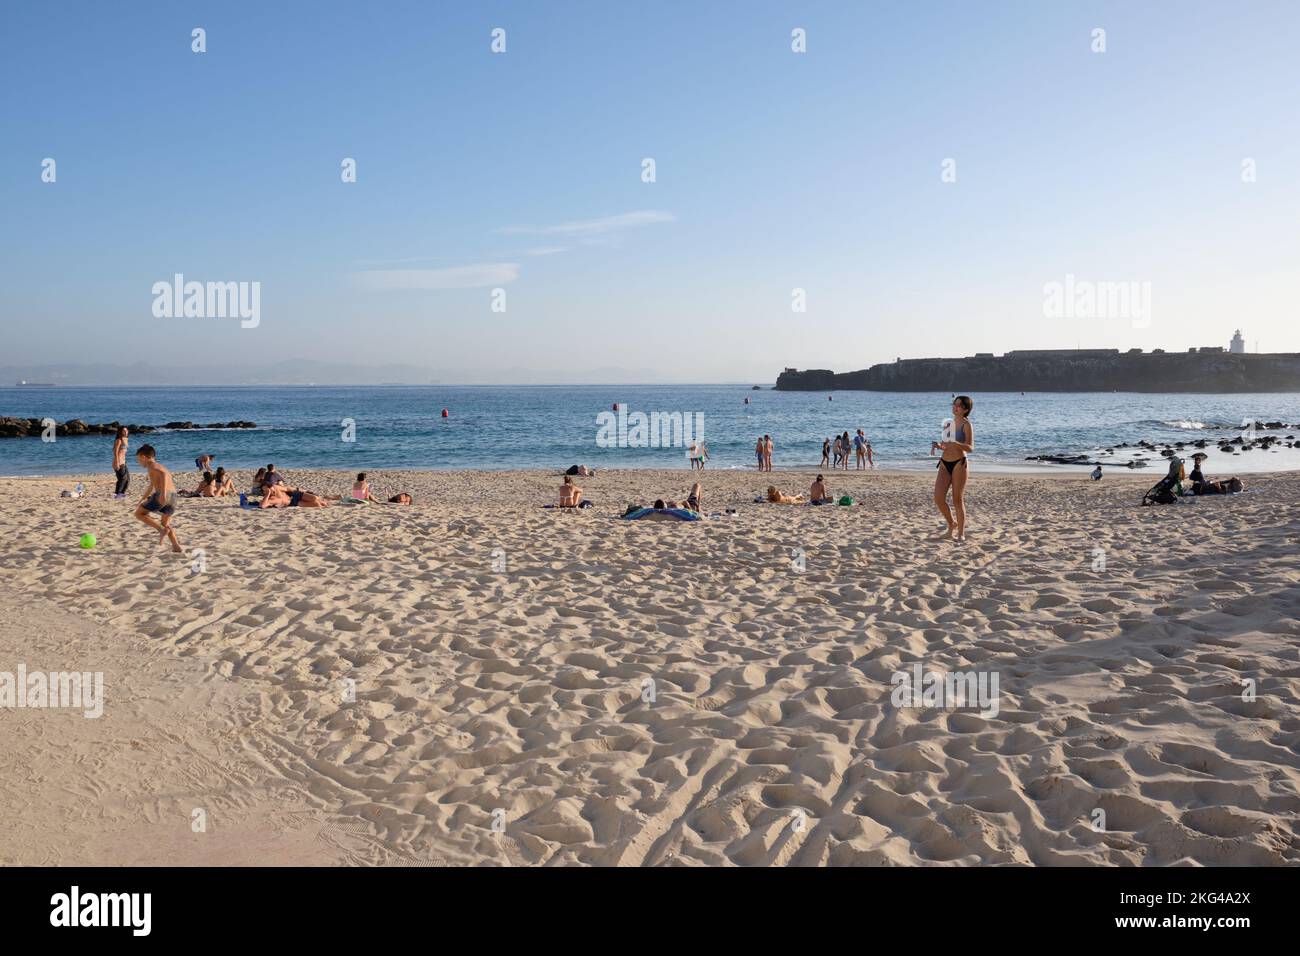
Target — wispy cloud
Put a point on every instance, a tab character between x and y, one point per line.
480	275
546	250
583	228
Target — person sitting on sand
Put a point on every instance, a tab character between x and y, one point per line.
257	488
271	478
160	499
278	496
221	485
776	498
401	498
570	494
818	494
1096	472
1197	475
361	489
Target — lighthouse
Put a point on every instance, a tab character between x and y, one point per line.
1238	344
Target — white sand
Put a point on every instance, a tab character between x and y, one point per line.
771	738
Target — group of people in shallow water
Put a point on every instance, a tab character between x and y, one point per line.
843	447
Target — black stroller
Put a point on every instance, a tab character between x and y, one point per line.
1168	488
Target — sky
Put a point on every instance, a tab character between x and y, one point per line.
922	172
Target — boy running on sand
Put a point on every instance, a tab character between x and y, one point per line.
161	498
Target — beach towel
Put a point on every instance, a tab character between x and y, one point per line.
245	503
681	514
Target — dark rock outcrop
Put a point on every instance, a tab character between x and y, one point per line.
75	427
1067	370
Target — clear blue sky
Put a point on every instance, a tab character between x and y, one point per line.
775	170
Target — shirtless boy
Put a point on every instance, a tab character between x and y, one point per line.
160	499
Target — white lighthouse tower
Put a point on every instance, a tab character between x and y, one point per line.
1238	344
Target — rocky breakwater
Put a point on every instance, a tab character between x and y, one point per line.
74	427
1248	440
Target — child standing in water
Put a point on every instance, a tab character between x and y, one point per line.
953	468
160	499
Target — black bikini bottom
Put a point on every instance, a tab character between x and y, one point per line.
950	465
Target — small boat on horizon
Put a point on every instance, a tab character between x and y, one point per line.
35	385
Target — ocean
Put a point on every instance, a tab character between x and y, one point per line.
511	427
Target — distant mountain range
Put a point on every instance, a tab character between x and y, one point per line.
302	372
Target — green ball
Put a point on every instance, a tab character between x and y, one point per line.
87	541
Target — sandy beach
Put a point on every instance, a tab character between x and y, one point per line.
474	679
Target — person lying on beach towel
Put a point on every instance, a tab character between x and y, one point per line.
695	500
401	498
1230	487
204	490
1200	485
775	497
278	496
660	512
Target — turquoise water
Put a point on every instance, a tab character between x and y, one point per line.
555	426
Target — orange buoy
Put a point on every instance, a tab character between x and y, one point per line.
444	413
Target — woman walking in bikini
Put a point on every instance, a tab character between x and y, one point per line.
953	467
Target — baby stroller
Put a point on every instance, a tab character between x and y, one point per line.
1168	488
